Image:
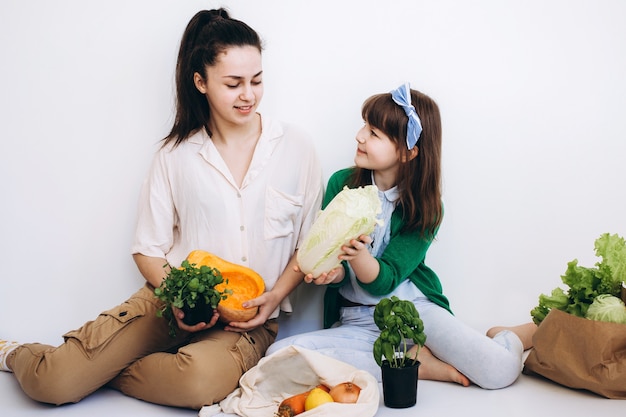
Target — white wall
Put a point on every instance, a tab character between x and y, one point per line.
532	95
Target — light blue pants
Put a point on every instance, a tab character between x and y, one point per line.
489	363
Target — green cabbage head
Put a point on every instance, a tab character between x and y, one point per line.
607	307
350	213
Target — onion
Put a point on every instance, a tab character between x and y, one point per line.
346	392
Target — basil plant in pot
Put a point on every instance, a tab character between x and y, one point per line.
399	323
191	289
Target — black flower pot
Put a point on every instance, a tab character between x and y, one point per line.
201	312
400	385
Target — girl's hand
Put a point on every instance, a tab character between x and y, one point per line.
178	313
334	275
266	303
366	267
358	248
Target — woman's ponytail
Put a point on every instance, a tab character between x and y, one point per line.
207	34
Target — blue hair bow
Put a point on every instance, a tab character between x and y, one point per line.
402	97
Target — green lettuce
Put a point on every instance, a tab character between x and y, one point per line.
585	284
351	213
607	307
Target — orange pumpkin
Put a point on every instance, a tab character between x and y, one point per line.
244	283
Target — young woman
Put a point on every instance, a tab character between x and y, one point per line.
399	151
226	180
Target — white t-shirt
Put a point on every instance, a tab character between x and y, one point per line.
190	201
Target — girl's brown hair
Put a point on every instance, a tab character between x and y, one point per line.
208	33
419	179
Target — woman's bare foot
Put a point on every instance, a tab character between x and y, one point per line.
433	369
524	331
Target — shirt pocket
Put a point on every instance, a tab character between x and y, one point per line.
282	212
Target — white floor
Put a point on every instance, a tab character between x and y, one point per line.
529	396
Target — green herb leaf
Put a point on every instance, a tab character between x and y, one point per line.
399	323
186	285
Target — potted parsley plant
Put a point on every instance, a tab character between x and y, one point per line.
191	289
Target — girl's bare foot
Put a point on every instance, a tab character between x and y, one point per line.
524	331
433	369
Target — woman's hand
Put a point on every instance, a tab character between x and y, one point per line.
332	276
269	301
178	313
356	250
266	303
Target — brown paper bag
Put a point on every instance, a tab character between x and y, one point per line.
580	353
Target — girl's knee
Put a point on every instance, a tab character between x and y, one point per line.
313	341
278	345
499	376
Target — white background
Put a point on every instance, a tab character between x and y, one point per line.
532	95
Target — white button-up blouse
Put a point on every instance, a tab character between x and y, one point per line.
190	201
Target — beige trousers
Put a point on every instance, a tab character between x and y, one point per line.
129	349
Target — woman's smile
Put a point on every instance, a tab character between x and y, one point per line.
244	109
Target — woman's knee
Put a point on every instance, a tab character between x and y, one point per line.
45	380
209	375
56	388
206	387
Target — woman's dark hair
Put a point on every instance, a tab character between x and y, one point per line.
419	179
208	33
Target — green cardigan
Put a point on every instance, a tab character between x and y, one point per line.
402	259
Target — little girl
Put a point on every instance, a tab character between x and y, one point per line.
399	151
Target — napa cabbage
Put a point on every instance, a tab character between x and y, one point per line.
351	213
